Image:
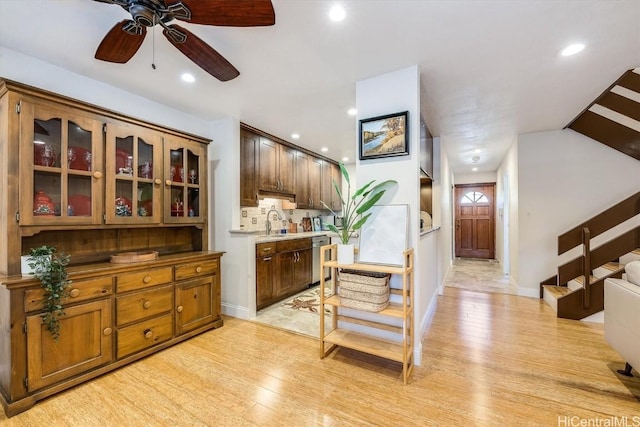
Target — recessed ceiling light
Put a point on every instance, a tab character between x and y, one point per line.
477	150
324	149
188	78
475	169
295	135
572	49
352	112
337	13
345	159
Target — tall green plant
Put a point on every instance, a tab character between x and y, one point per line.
355	207
51	270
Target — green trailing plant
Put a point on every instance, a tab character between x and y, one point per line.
355	207
51	270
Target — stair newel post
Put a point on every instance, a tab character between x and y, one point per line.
586	267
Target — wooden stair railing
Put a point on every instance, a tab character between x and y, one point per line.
581	268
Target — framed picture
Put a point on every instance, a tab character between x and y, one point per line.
384	136
383	238
316	224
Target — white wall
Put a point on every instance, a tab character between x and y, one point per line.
445	240
386	94
564	178
475	178
509	169
34	72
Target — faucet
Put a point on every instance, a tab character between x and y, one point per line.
267	225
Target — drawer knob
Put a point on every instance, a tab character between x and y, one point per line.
157	181
74	292
97	174
168	183
146	304
179	309
198	269
148	334
146	279
106	332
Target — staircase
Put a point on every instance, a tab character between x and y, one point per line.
577	291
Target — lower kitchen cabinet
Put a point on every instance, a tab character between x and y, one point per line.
114	314
283	268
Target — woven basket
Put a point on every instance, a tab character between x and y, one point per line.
364	306
364	296
364	277
362	288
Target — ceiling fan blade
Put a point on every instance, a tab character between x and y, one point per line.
230	13
121	42
201	53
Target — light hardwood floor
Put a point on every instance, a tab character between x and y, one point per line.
489	359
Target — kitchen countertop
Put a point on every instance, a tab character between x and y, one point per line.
274	237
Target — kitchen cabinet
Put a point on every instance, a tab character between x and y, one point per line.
336	176
249	147
283	268
61	156
303	183
315	183
114	315
275	166
397	313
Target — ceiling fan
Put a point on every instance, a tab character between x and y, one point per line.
126	37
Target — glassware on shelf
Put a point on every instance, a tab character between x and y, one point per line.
145	171
87	160
71	156
193	175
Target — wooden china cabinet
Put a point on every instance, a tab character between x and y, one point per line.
94	183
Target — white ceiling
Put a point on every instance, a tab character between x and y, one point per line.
490	70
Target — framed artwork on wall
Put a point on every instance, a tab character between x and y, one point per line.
384	136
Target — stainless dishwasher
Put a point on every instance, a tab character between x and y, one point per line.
316	243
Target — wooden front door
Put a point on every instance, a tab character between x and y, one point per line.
475	221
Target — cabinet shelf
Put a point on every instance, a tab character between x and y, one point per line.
401	351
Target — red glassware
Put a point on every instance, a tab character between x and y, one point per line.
42	204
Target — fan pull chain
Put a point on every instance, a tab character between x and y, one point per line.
153	49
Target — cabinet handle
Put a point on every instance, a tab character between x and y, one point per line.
107	331
267	258
74	292
146	279
168	183
179	309
148	334
157	181
266	249
146	304
97	174
198	269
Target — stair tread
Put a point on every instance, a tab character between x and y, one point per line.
613	266
636	251
557	291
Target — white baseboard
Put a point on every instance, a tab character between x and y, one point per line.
528	292
235	311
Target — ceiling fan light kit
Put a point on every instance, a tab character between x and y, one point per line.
126	37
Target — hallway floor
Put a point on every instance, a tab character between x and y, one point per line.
479	275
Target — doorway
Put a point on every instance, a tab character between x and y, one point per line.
475	221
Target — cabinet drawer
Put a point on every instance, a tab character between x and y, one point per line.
196	269
144	335
143	279
265	249
142	305
80	290
293	245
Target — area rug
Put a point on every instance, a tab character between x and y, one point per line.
309	302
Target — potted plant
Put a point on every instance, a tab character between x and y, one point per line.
51	270
354	212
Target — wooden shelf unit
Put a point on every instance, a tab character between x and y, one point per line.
401	351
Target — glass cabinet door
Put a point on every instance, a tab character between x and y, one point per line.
134	175
184	181
59	150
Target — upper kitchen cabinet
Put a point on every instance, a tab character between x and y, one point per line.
303	183
134	172
60	166
336	176
249	146
275	167
184	180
